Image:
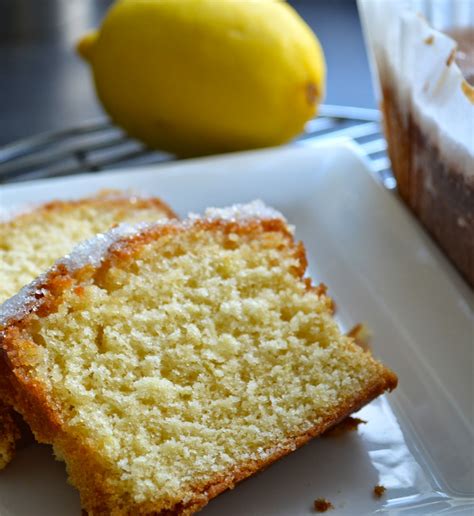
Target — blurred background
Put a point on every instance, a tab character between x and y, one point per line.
44	85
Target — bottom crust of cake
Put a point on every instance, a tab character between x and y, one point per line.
439	195
233	477
9	434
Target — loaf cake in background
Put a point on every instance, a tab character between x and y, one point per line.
32	241
424	59
167	362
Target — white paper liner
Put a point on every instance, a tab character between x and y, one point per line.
413	58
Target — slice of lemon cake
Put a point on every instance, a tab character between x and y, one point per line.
167	362
32	241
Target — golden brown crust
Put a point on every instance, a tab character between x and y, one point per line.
9	435
26	396
86	467
111	198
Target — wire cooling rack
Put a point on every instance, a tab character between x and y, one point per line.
100	145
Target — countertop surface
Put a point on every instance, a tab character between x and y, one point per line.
45	86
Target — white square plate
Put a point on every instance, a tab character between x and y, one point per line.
382	269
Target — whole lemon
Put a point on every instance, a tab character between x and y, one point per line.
204	76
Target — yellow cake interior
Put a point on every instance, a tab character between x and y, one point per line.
201	352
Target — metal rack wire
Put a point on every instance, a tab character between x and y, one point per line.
99	145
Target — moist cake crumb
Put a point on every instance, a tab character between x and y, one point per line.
361	335
349	424
379	491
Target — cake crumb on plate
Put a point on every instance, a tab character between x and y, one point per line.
322	505
349	424
379	491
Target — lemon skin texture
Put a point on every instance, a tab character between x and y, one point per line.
197	77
